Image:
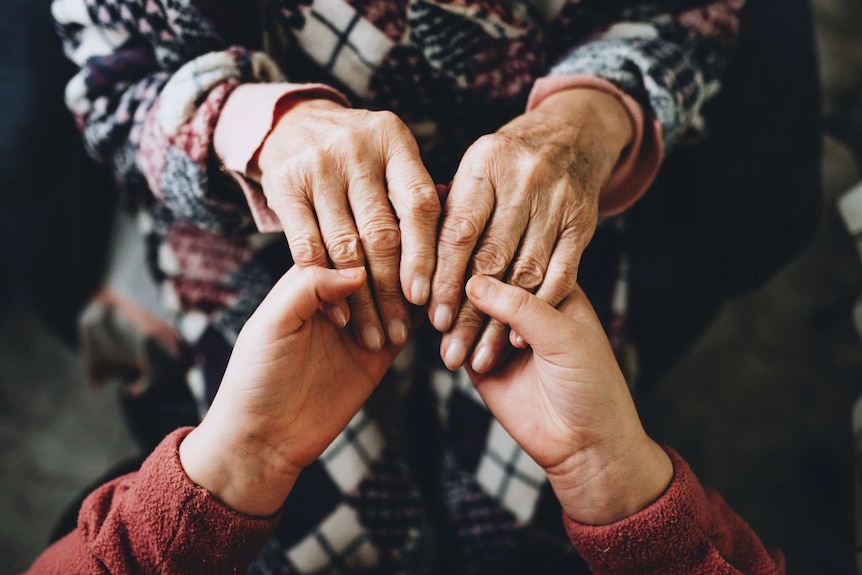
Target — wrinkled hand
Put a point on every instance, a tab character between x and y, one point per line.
522	207
294	381
567	405
334	175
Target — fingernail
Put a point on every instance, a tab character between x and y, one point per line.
352	273
397	332
483	359
420	290
442	317
455	355
519	341
480	287
338	317
372	337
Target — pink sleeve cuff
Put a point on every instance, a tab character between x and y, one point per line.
639	163
245	121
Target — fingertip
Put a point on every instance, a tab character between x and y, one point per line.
483	360
454	353
480	287
339	314
516	340
442	318
420	291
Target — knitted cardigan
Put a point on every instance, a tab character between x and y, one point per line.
156	80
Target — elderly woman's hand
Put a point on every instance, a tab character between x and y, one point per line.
567	405
294	381
522	207
334	175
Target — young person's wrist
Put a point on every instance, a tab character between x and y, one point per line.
241	470
606	485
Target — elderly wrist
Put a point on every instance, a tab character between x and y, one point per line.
586	106
286	112
604	486
594	124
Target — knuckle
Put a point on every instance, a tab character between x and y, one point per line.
528	273
421	200
345	250
386	119
490	260
362	309
310	162
568	273
281	186
307	251
486	144
470	320
460	231
447	286
363	177
565	282
382	237
389	301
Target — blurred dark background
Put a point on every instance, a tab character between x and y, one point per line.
761	405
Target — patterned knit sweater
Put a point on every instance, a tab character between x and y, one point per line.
155	77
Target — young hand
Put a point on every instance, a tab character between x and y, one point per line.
566	403
294	381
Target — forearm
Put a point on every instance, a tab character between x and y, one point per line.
157	520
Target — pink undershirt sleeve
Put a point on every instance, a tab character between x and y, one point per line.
639	163
245	121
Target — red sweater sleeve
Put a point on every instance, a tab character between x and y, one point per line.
156	521
687	530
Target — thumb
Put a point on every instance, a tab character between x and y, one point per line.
542	327
301	291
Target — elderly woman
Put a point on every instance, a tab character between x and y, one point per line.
332	121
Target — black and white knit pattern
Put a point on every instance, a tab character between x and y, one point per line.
450	43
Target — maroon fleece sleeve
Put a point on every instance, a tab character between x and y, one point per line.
687	530
157	521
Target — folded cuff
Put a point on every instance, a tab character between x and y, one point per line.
640	161
246	120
